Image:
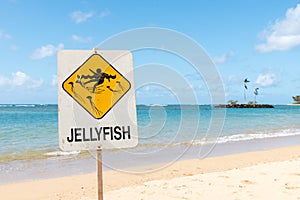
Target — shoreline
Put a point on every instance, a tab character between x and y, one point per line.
83	186
55	167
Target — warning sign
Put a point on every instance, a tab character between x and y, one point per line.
96	85
96	100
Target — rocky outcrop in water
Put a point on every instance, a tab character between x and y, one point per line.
245	106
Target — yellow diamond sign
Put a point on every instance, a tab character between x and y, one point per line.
96	85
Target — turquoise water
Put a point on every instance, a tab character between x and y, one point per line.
31	132
27	131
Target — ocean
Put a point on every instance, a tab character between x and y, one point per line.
29	137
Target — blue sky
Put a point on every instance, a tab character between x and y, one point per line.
258	40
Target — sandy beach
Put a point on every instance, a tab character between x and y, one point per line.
269	174
197	100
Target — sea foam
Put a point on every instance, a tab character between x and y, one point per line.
62	153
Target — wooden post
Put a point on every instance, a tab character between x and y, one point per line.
99	174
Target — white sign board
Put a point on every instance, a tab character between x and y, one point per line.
96	100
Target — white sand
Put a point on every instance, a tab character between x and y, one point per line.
272	174
279	180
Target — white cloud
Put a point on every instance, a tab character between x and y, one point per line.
194	87
20	80
223	58
282	35
46	51
4	35
153	90
266	80
233	79
14	47
79	16
77	38
54	80
3	81
104	13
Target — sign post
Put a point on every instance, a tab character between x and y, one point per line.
96	102
99	174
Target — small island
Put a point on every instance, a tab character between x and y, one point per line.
250	104
245	106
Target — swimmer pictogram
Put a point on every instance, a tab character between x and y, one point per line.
96	85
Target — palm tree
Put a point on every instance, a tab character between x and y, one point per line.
245	88
232	102
255	94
